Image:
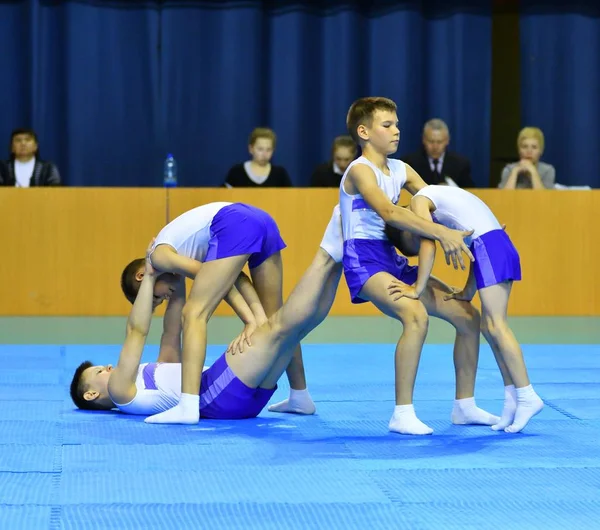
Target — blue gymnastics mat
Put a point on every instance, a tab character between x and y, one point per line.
341	469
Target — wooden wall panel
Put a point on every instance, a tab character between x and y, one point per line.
63	250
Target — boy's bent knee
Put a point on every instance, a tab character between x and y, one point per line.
416	318
469	321
195	311
494	327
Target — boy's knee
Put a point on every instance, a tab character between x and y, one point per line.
416	319
193	310
275	332
493	327
485	325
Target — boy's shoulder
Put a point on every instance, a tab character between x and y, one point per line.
395	163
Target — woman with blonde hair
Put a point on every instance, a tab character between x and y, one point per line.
529	171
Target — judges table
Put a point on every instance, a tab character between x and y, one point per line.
63	249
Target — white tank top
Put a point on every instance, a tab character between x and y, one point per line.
359	221
461	210
158	388
189	233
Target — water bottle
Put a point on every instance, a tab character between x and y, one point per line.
170	172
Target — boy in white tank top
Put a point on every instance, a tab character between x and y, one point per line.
369	191
211	244
235	386
492	273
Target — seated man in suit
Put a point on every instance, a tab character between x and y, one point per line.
434	163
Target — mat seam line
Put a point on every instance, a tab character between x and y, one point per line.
56	507
561	411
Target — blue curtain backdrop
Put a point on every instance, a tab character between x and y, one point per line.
85	77
112	87
560	72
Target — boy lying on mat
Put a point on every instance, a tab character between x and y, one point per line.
239	384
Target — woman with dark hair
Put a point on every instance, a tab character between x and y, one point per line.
24	168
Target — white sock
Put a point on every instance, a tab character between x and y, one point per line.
509	409
466	412
528	405
333	240
186	412
299	402
405	421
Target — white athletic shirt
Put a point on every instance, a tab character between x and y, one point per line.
359	221
158	388
189	233
459	209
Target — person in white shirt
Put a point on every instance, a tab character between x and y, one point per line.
369	193
25	169
211	244
495	267
237	385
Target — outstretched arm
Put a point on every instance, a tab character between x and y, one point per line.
238	303
246	289
121	384
421	206
363	181
468	291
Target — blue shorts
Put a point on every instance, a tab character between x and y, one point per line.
240	229
496	259
224	397
364	258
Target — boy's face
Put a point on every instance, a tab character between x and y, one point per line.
383	134
164	286
96	379
163	289
24	145
262	150
342	156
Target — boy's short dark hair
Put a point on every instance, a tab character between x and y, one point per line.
78	388
362	110
129	285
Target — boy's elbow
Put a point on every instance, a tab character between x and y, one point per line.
388	213
135	331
